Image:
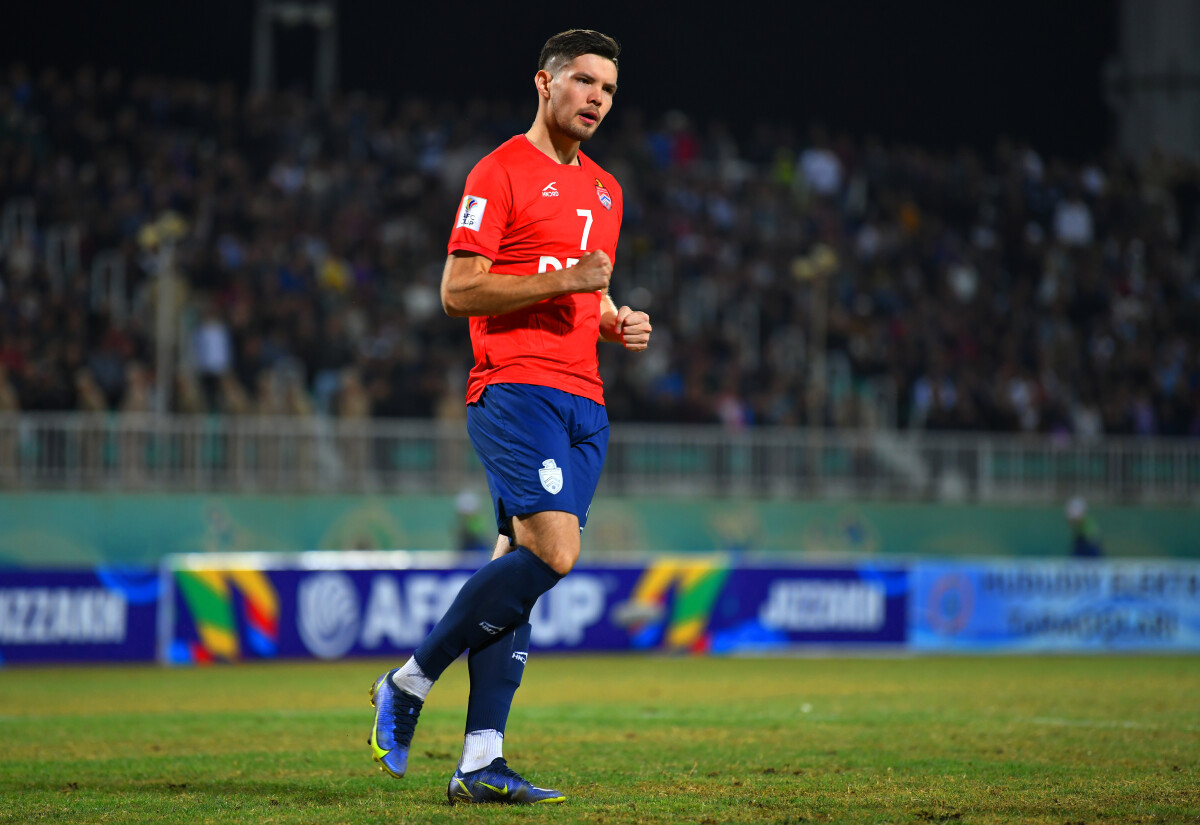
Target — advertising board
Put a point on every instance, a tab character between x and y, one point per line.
1063	606
350	604
105	614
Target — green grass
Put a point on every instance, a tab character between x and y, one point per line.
629	739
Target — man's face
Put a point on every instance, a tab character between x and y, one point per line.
581	93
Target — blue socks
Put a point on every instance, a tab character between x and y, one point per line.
496	672
499	596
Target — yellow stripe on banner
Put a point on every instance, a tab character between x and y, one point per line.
654	582
219	642
693	572
684	633
258	589
214	580
659	577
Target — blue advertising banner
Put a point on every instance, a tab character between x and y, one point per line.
106	614
338	605
1055	606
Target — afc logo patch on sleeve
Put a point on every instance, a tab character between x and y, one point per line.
471	212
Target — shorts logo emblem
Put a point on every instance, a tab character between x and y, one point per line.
551	476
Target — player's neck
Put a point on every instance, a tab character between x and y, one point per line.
558	147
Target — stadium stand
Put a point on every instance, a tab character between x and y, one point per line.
957	290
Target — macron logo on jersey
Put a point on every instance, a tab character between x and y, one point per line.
471	213
550	191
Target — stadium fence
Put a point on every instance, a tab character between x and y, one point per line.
107	452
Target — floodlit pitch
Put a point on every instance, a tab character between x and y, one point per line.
629	739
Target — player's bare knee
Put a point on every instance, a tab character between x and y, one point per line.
561	559
552	536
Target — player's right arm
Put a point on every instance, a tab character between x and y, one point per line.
470	288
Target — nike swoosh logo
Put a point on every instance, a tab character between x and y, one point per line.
379	752
503	792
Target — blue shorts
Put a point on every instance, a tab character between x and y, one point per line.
542	449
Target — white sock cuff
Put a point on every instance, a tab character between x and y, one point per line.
480	747
412	679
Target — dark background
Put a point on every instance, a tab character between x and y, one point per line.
935	73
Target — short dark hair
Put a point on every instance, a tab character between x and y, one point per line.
572	43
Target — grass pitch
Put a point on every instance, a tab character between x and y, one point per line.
629	739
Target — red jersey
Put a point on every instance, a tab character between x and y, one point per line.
528	213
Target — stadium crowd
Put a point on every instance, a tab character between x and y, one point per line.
793	279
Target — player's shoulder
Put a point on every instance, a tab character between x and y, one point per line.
514	147
511	153
494	167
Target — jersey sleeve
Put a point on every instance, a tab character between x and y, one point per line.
485	211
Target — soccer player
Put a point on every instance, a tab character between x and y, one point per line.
530	258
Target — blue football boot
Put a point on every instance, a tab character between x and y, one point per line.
498	783
396	713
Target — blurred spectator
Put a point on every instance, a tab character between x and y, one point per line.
353	407
190	398
9	403
234	400
1085	533
89	397
1073	221
135	443
820	168
90	400
296	400
470	525
212	354
138	396
353	402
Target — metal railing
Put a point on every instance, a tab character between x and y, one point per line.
145	452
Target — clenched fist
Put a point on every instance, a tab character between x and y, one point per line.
633	329
591	273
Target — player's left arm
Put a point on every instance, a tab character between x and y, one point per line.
627	327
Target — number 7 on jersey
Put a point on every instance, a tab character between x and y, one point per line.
587	226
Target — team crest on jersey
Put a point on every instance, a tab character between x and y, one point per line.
471	212
602	194
551	476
